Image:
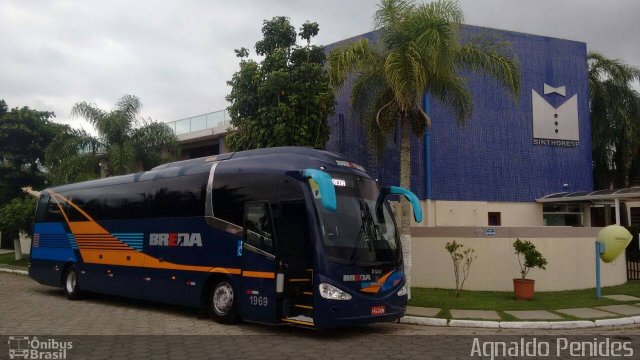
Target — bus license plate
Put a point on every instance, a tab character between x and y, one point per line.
377	310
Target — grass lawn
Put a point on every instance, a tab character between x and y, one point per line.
494	300
10	259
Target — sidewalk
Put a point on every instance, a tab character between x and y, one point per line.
13	267
628	306
22	270
626	311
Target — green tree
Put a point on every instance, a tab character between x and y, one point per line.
284	99
17	215
24	134
419	51
125	143
615	121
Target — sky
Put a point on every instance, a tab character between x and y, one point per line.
177	56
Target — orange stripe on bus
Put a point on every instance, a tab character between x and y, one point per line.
103	240
225	270
375	287
112	257
259	274
100	241
137	259
79	228
98	246
123	248
96	237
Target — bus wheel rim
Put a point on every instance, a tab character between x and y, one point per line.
71	281
223	299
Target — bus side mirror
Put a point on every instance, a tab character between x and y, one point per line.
396	190
323	187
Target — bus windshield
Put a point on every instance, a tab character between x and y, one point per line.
358	233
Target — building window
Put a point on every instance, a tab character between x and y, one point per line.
635	216
562	215
494	219
201	151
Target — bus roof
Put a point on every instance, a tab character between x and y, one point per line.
275	159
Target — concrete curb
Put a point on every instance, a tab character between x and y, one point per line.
549	325
524	325
14	271
615	322
419	320
578	324
474	323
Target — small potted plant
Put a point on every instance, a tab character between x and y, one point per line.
528	257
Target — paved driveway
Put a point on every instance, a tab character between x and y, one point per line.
27	308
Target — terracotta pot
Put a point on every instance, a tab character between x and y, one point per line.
523	288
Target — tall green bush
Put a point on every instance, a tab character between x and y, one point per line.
17	215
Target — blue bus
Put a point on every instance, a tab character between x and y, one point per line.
284	235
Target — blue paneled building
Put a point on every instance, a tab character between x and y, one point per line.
509	153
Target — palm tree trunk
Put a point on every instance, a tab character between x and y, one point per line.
405	182
620	167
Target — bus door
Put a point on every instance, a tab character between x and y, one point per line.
258	286
295	252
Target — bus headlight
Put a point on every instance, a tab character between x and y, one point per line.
331	292
403	290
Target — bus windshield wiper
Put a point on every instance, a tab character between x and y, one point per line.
356	246
365	216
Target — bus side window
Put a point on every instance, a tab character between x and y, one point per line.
48	210
180	196
258	227
124	201
71	211
41	210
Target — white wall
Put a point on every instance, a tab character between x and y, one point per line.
475	213
569	251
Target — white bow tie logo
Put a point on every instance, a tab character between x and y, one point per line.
548	89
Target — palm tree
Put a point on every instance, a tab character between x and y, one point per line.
72	156
125	143
419	51
615	120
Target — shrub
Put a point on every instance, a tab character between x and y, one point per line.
460	255
17	215
528	257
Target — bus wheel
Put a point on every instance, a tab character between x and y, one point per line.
223	303
70	284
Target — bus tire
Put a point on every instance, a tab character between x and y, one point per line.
70	284
222	302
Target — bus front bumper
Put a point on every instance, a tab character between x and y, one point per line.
333	313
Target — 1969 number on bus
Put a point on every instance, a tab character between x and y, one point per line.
258	300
